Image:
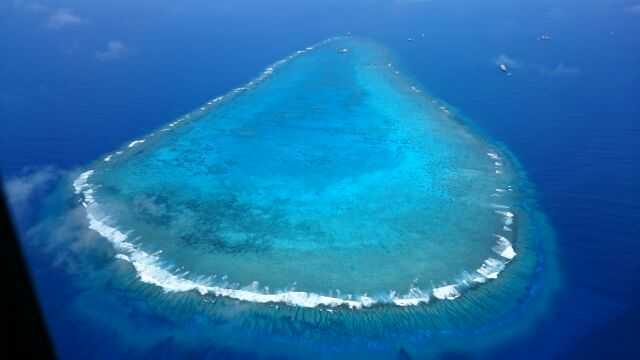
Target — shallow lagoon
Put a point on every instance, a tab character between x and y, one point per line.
333	189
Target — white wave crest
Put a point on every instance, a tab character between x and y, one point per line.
491	268
504	248
507	216
134	143
446	292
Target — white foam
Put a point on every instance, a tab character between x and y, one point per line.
413	298
507	216
108	158
150	272
446	292
80	183
504	248
410	301
123	257
135	142
491	268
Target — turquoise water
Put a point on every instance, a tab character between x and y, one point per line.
329	180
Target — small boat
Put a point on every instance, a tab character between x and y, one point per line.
544	37
504	68
343	50
409	39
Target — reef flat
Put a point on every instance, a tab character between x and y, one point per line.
331	183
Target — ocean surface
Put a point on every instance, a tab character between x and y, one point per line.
83	80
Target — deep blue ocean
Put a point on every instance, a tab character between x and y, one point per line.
80	79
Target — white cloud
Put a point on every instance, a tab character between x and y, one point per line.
557	13
558	70
633	9
36	7
63	235
31	6
21	189
562	69
115	50
61	18
68	242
